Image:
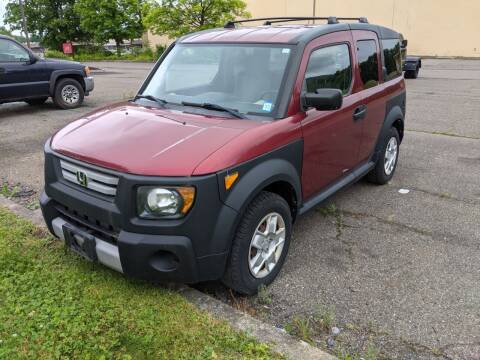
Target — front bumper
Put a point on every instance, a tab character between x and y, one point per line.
187	250
89	84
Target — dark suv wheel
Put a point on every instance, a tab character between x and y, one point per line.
260	245
69	94
412	74
386	164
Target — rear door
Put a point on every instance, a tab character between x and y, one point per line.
331	138
19	78
370	89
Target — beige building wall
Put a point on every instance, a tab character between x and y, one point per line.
432	27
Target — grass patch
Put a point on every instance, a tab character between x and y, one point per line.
141	55
56	305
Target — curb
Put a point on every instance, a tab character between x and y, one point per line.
276	338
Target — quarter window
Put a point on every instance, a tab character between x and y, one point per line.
11	52
393	58
329	68
368	62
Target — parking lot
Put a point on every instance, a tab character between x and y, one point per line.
400	270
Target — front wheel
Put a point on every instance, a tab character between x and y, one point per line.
260	245
386	164
69	94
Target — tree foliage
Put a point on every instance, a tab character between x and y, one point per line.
54	21
111	19
178	17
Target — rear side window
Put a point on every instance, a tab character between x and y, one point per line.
368	62
329	68
11	52
393	58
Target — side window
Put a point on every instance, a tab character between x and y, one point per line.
368	62
11	52
329	68
393	58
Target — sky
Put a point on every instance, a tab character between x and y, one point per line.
2	10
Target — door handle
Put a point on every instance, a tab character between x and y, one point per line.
360	113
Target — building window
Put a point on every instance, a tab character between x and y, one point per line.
393	58
368	62
329	68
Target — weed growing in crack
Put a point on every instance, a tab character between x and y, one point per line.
300	327
9	192
263	296
324	319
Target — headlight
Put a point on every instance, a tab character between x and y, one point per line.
87	70
164	202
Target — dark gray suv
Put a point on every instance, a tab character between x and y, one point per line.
26	77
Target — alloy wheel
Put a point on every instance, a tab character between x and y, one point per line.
266	245
391	156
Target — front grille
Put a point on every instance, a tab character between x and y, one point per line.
91	179
93	226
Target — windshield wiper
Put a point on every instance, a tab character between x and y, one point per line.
215	107
151	98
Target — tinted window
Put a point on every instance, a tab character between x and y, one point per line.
329	68
393	58
11	52
368	62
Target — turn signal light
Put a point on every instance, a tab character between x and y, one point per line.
188	195
230	180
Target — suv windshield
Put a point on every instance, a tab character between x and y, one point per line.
243	77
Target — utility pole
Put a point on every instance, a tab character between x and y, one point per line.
24	22
314	10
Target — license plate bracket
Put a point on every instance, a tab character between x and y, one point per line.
80	242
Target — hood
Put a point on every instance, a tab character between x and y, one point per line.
146	141
60	61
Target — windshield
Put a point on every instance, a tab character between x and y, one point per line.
243	77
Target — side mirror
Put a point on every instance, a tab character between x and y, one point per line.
404	43
323	99
33	59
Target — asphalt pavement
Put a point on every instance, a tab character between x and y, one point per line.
399	270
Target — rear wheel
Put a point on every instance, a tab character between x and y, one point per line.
37	101
412	74
386	164
260	245
69	94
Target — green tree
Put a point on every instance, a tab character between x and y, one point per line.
111	19
5	31
178	17
53	21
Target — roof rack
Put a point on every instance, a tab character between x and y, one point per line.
271	20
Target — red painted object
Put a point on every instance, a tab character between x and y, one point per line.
67	48
285	115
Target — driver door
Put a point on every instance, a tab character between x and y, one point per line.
19	77
331	138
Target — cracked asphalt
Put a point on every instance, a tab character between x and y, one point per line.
404	266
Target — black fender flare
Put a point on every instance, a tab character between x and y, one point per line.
283	164
58	73
394	114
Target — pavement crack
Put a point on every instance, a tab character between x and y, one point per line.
389	222
445	196
444	134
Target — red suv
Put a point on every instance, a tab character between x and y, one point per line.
234	134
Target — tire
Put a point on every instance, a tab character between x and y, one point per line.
37	101
239	274
69	94
381	174
412	74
